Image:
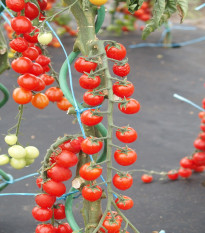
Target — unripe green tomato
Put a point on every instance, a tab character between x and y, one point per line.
18	163
31	152
29	161
4	159
11	139
17	152
45	38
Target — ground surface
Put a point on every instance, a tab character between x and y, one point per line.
166	129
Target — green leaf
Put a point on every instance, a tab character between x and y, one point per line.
134	5
171	6
182	7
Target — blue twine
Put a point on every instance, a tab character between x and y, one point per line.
188	101
5	18
5	8
21	178
84	109
200	7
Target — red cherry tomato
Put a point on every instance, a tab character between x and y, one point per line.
31	52
15	5
42	4
88	82
123	89
54	188
173	175
89	118
93	99
32	38
64	104
126	134
131	106
45	200
21	24
125	203
59	211
45	228
41	214
122	182
22	65
121	70
31	10
54	94
39	182
22	96
91	145
66	159
91	193
28	81
90	172
19	44
81	65
41	85
36	69
199	144
125	156
40	101
185	172
59	173
147	178
117	53
48	80
43	60
199	158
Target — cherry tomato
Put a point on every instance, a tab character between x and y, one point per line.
125	157
147	178
81	65
121	70
40	101
199	169
199	158
11	139
126	134
123	181
64	104
124	203
185	172
54	94
22	96
202	136
41	214
91	193
66	159
32	38
45	38
87	82
21	24
36	69
93	99
123	89
117	53
98	2
202	127
54	188
42	4
201	115
28	81
59	211
59	174
19	44
39	182
90	172
18	163
145	17
139	13
41	85
45	200
199	144
75	144
31	52
45	228
89	118
111	226
46	68
15	5
91	145
4	159
63	228
48	80
132	106
22	65
43	60
173	175
31	10
117	217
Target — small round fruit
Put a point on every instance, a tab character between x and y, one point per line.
45	38
4	159
31	152
147	178
29	161
18	163
11	139
98	2
17	152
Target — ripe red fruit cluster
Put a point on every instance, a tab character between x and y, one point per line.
31	64
60	162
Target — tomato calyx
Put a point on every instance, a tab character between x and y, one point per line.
123	82
113	44
94	140
121	63
122	174
93	165
125	150
124	129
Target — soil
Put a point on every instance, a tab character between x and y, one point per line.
166	128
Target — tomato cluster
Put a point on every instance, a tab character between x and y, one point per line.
18	156
57	172
31	63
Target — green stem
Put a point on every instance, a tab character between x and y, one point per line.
19	119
